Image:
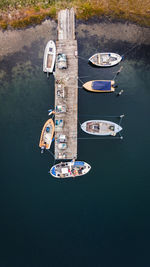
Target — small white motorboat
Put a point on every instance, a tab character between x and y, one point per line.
101	127
49	57
106	59
70	169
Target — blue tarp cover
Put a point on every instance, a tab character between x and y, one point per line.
101	85
53	171
80	163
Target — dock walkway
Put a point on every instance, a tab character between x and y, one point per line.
66	88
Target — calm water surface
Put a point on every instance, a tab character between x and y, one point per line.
101	219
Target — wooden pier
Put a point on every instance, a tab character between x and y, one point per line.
66	88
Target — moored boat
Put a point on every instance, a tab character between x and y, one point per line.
101	127
100	86
49	57
47	135
106	59
70	169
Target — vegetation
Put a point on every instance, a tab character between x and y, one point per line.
21	13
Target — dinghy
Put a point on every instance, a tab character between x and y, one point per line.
100	86
101	127
70	169
49	57
105	59
47	135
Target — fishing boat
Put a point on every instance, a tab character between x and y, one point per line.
105	59
47	135
100	86
70	169
49	57
101	127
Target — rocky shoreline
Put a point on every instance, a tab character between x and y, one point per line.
12	41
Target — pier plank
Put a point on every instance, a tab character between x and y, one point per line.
66	80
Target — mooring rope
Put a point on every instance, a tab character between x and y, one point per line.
98	138
51	153
130	49
84	76
83	58
80	80
79	122
111	116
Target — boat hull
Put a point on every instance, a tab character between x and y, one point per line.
88	86
71	169
105	59
101	127
49	57
47	134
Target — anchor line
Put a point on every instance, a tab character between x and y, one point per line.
130	49
121	137
121	117
98	138
118	72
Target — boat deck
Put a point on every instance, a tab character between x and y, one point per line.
66	88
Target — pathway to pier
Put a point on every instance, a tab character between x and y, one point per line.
66	88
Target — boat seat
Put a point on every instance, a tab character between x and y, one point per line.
98	59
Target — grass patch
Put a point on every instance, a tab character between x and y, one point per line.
3	25
31	20
29	12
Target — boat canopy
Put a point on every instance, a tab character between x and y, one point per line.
76	163
101	85
53	171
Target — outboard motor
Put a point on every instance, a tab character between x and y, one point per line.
42	149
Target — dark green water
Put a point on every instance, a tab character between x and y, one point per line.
101	219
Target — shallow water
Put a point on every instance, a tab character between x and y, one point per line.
102	218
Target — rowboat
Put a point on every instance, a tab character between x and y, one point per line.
105	59
70	169
100	86
49	57
101	127
47	135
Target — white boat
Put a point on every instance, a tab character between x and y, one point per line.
49	57
70	169
101	127
106	59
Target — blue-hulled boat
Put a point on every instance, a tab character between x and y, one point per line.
70	169
100	86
